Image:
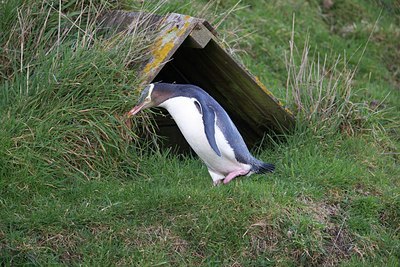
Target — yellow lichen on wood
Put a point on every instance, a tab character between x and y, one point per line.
262	86
169	38
158	55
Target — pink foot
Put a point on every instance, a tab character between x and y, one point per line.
234	174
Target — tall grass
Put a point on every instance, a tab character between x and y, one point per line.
63	88
322	95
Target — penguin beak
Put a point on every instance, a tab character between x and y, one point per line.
135	110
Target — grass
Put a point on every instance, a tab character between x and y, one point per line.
78	187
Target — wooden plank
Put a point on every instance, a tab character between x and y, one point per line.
260	105
199	37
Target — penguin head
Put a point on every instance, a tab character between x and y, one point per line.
148	98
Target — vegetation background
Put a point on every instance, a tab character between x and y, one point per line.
78	187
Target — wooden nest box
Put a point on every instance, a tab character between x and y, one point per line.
187	50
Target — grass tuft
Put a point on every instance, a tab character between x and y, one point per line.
68	89
322	95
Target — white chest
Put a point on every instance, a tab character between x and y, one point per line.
190	122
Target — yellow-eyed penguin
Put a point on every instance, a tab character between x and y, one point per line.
206	127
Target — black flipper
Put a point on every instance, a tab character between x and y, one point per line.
209	127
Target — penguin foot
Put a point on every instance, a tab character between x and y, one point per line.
217	183
234	174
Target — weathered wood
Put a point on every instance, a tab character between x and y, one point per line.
199	37
246	92
175	29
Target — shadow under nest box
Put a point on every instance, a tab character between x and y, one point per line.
186	50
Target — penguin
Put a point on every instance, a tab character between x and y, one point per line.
207	128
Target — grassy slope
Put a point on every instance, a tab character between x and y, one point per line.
333	200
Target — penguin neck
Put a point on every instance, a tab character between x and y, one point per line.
178	105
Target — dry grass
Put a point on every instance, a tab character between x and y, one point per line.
321	94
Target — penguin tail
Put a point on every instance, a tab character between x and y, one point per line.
263	167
